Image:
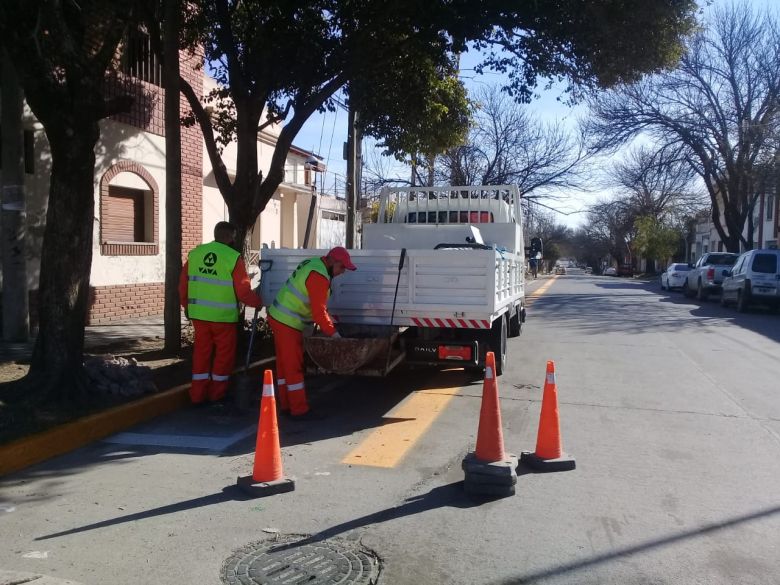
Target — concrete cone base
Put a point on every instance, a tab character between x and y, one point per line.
504	467
563	463
259	489
494	478
481	489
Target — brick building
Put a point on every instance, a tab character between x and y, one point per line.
128	266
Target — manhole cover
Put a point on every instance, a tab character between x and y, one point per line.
293	560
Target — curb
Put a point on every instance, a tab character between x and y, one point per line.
62	439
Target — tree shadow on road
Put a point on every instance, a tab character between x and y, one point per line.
229	493
631	307
569	570
450	495
361	404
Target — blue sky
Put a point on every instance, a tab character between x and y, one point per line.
326	133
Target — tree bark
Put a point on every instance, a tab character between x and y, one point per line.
16	313
66	261
173	227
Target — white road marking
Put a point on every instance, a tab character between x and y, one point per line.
181	441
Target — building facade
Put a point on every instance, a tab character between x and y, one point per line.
766	225
128	263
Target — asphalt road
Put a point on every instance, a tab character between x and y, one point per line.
671	409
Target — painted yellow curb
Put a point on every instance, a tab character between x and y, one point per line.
30	450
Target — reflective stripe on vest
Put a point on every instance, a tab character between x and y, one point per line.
211	296
292	305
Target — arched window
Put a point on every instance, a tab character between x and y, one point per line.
129	211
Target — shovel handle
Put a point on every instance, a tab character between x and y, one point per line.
401	261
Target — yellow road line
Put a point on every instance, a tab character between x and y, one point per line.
403	427
542	289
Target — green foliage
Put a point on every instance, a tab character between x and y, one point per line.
412	106
654	240
277	61
374	213
592	44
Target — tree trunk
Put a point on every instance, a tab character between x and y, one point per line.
66	262
16	313
173	228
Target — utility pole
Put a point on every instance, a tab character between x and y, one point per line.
16	319
353	174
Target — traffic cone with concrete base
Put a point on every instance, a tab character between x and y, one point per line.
549	455
490	471
267	475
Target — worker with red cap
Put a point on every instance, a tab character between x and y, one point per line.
301	300
212	283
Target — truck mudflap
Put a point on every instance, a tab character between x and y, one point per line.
442	352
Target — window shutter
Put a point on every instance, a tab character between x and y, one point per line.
123	217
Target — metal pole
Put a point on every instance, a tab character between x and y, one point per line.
352	175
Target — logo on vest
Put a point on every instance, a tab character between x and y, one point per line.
209	260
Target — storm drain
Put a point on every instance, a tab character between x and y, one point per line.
294	560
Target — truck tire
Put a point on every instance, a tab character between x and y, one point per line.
497	343
701	294
516	323
687	289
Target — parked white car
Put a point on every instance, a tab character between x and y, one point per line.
610	271
755	279
674	276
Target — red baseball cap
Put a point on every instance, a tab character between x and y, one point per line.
340	254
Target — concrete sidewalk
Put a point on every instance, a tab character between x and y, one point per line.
97	336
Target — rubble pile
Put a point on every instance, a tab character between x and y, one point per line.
119	376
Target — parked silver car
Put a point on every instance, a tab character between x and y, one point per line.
755	279
674	276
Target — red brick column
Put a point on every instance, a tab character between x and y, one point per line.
191	160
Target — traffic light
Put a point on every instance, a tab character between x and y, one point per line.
537	250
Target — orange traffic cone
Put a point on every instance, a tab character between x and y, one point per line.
489	469
490	435
549	454
267	475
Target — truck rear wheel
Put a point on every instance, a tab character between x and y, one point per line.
497	343
516	322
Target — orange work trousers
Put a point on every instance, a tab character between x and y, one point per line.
217	340
289	368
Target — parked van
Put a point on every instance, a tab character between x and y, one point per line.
754	279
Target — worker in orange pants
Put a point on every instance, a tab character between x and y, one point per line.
301	300
219	340
212	283
288	343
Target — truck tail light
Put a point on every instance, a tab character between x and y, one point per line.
457	353
710	274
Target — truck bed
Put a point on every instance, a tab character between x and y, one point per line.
438	288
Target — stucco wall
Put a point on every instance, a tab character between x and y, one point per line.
122	142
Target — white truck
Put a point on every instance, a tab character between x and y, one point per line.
441	278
